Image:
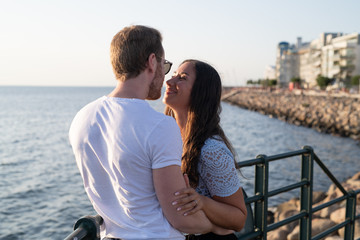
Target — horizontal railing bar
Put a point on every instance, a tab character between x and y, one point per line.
331	230
329	174
327	204
287	155
253	199
79	233
287	188
286	221
249	163
251	235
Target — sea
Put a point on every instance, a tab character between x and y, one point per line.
41	191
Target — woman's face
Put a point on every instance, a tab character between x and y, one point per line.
178	88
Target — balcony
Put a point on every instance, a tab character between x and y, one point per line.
347	53
317	63
345	62
336	57
334	70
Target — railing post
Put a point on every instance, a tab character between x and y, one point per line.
350	214
307	163
261	188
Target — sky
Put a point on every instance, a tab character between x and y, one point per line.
66	42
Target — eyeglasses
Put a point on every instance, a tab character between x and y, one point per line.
167	66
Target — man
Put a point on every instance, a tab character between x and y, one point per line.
127	153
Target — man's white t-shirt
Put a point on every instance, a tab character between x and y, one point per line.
117	142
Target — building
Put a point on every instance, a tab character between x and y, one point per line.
341	58
287	62
270	72
332	55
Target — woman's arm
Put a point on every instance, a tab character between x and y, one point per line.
219	176
226	212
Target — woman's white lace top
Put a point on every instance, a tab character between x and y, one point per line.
217	173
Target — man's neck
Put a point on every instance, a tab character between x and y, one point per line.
131	88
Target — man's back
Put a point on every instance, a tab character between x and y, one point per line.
117	143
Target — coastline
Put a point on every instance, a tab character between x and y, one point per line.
337	114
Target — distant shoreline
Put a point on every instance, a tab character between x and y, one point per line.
337	113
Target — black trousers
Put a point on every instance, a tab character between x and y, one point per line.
211	236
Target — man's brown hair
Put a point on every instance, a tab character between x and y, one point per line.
130	49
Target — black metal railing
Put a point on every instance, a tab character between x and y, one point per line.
87	228
261	196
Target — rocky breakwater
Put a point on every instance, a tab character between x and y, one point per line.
338	115
321	220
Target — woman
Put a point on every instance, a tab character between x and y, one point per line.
193	97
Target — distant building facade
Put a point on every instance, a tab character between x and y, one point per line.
332	55
270	72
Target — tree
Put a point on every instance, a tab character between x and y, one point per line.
249	82
272	82
295	80
323	82
355	80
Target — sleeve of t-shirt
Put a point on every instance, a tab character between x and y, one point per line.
165	144
218	171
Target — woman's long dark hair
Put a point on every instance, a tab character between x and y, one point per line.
203	117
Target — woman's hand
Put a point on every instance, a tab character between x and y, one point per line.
189	201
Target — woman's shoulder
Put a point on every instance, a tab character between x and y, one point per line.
214	142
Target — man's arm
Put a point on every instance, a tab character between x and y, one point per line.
167	181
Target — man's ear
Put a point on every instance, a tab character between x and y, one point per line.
152	63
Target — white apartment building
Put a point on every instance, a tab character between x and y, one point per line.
286	63
270	72
332	55
341	58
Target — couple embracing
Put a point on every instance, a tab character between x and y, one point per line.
151	175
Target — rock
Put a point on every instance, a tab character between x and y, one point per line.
286	214
338	216
291	204
278	234
356	232
270	217
353	184
325	213
327	114
318	225
318	197
335	237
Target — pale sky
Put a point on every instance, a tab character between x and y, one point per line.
66	42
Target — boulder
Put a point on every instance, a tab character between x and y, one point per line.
338	216
292	204
278	234
356	176
286	214
335	237
356	232
325	213
318	197
318	226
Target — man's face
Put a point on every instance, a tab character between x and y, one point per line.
157	83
